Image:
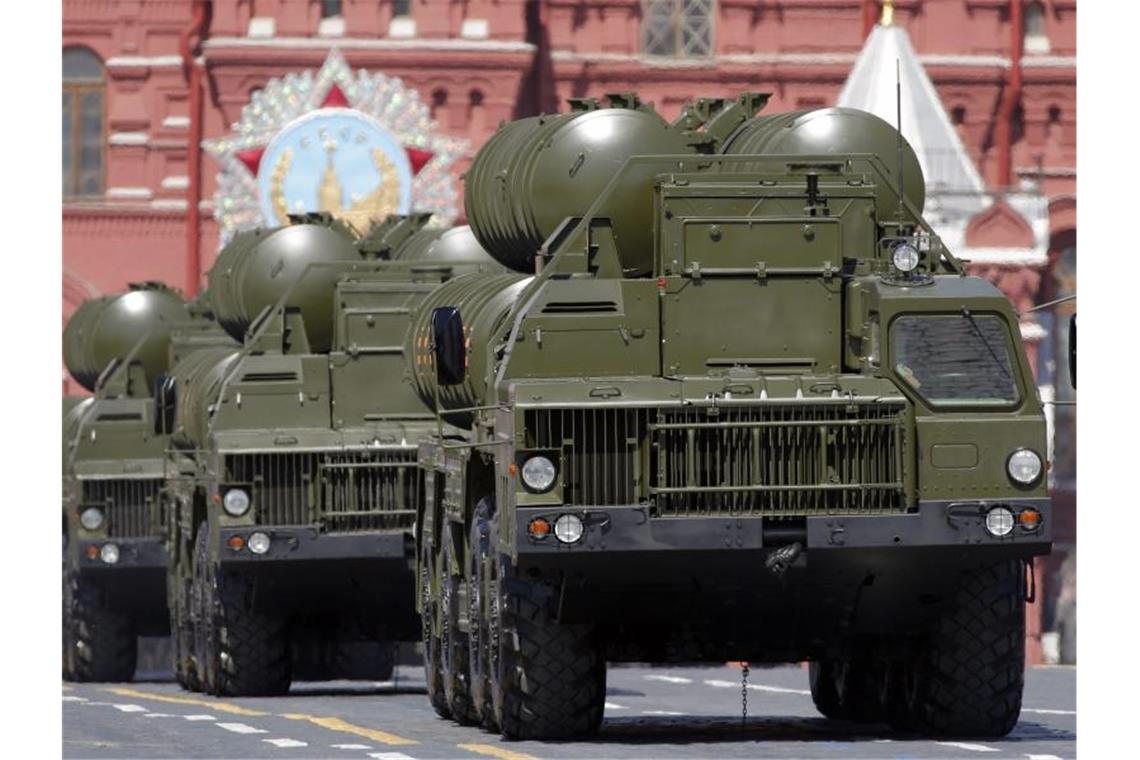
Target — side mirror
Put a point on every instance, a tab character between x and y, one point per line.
1073	350
165	403
450	346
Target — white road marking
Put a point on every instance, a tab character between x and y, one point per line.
75	699
969	746
1042	757
615	706
1043	711
754	687
130	708
351	746
669	679
285	743
199	717
160	715
390	756
241	728
660	712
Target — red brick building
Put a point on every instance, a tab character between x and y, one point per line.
146	81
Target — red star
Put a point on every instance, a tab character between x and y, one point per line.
335	98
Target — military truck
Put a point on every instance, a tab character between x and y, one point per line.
740	403
114	565
292	478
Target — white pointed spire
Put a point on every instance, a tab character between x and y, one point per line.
871	87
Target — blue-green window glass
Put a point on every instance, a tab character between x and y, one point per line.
955	360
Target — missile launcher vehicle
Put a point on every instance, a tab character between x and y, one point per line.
737	402
293	482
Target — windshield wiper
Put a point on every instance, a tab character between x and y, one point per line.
978	331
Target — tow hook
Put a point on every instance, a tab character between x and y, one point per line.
780	560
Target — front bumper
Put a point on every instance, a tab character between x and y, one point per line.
306	543
140	554
934	525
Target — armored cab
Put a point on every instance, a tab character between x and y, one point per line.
749	408
118	347
297	485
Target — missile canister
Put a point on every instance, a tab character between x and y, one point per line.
457	245
198	379
833	131
256	268
483	301
108	328
535	172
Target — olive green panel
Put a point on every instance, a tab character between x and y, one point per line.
963	456
589	327
774	243
271	391
774	324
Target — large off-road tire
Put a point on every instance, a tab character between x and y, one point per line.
454	659
203	619
433	671
239	652
182	630
969	680
480	592
66	630
823	679
551	676
105	642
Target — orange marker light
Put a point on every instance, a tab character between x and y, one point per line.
512	469
236	543
539	528
1030	519
92	552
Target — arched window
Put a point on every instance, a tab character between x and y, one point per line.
331	8
438	102
677	28
83	123
1036	40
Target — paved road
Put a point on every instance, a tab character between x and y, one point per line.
650	713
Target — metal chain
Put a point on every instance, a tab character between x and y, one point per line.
743	694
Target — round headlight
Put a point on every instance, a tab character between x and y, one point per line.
235	502
905	257
258	543
91	518
568	528
109	553
1024	466
538	474
999	521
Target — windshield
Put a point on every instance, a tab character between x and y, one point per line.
955	360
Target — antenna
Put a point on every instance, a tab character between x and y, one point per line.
898	135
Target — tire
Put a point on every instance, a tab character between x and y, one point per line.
825	689
364	660
433	672
241	653
182	631
479	592
454	660
970	681
105	643
66	629
551	676
204	650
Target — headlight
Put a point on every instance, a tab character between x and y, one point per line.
235	502
258	543
905	257
568	529
91	518
109	553
999	521
538	474
1024	466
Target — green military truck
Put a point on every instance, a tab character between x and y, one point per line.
114	561
291	478
739	404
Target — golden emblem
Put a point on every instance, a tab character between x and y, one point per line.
360	212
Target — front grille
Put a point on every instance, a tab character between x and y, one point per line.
793	459
780	460
128	505
600	463
343	492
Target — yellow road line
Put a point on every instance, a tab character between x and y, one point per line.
493	751
213	704
67	688
336	724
